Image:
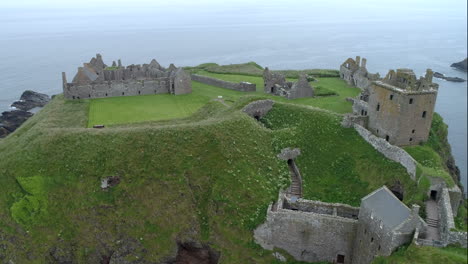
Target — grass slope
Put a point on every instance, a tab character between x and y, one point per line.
425	255
336	164
195	181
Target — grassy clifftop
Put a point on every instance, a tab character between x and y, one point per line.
177	182
198	171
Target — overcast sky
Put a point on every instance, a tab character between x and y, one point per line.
332	3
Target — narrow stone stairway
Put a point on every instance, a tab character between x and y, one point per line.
296	183
432	222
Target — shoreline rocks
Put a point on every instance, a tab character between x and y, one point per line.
461	65
11	120
450	79
30	99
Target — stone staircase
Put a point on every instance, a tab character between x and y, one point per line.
296	182
432	222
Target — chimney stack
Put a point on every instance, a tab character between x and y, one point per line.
429	75
364	61
64	80
358	60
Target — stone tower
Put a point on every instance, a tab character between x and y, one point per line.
401	107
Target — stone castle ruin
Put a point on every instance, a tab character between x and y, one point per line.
401	107
355	73
398	107
276	84
315	231
95	80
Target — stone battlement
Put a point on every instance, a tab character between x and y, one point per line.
95	79
404	80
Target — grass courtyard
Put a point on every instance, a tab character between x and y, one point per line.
331	95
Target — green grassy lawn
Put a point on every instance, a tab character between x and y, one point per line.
425	255
134	109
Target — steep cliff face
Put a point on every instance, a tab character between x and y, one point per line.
439	142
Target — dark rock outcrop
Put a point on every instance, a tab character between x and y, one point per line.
450	79
462	65
196	253
11	120
30	99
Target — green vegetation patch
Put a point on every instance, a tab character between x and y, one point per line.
425	255
430	162
31	206
461	220
111	68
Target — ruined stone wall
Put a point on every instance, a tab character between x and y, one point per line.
182	83
117	88
259	108
308	236
448	234
394	153
241	87
399	115
334	209
360	107
349	120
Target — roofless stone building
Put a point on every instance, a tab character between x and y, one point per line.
314	231
95	79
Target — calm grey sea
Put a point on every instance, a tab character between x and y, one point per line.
37	44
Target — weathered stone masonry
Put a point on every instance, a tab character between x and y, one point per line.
309	230
448	234
241	87
95	79
388	150
316	231
259	108
276	84
355	73
401	107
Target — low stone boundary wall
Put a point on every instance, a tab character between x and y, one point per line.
241	87
388	150
447	224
